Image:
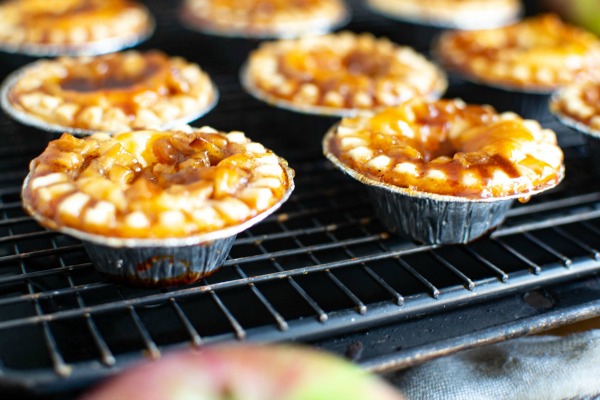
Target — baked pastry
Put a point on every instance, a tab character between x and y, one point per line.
340	74
144	197
246	371
264	18
463	14
420	158
112	93
72	27
537	54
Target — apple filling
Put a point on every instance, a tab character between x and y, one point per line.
154	184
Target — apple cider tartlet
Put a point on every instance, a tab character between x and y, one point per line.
264	18
463	14
110	93
445	171
72	27
340	74
538	54
156	207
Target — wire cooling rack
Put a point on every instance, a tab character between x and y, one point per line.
322	270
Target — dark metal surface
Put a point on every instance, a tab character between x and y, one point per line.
322	270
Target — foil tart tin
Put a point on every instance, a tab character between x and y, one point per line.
34	121
309	28
96	47
428	217
161	262
251	88
483	21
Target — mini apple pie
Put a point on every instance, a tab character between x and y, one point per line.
445	171
463	14
264	18
154	204
340	74
72	27
537	54
111	93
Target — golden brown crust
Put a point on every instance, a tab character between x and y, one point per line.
71	22
343	71
580	102
264	18
154	184
114	92
537	54
464	14
450	148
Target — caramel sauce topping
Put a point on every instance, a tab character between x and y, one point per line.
112	79
450	148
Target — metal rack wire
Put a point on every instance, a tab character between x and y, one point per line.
323	266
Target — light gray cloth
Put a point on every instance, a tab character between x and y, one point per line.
537	367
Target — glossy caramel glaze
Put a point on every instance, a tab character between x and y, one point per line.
450	148
114	92
154	184
275	18
342	71
536	54
70	21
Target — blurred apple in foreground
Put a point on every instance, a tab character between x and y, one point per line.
585	13
250	372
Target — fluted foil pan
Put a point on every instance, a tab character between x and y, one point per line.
37	122
96	47
248	85
161	262
428	217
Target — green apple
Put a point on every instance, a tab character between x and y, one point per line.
246	372
585	13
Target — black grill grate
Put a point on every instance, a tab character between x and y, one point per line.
321	267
